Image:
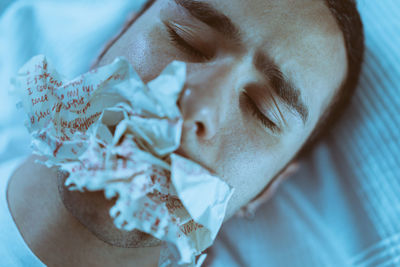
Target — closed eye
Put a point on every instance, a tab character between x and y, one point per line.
249	104
180	42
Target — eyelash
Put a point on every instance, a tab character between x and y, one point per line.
259	115
185	46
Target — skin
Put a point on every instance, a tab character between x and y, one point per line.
219	132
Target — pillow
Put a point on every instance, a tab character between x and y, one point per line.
28	28
343	207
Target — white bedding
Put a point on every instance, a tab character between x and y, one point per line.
342	209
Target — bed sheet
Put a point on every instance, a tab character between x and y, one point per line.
71	33
341	209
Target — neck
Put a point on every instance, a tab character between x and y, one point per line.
53	233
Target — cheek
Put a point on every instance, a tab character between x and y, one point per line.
146	48
148	53
248	167
249	177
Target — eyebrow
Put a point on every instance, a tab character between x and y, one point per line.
212	17
271	71
281	85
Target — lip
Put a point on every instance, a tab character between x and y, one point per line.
181	152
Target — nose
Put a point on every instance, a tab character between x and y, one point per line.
202	101
199	113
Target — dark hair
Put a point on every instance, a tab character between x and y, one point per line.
349	22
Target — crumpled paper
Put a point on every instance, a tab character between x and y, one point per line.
111	132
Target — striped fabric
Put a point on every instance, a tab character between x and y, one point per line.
375	142
343	208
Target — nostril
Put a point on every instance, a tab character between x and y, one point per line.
179	103
183	96
200	129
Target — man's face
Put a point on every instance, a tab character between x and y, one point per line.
260	73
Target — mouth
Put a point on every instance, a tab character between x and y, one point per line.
120	163
181	152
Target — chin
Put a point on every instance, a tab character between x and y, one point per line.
91	209
123	239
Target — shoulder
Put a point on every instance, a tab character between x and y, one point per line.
26	197
26	182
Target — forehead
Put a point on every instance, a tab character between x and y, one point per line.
300	36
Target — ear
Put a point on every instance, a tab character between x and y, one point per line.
249	210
